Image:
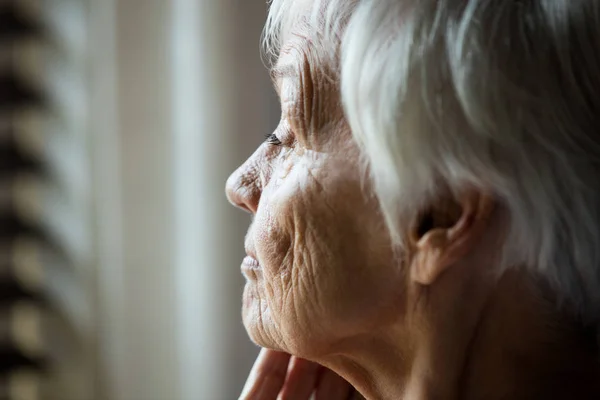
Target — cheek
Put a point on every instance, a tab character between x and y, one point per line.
287	203
323	250
294	218
273	235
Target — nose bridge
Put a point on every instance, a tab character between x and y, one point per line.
243	187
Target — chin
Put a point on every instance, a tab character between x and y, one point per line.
257	333
290	336
253	319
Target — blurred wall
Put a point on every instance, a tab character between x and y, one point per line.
180	99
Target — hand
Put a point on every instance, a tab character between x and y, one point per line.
279	376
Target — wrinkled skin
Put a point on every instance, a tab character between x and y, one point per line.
324	285
325	263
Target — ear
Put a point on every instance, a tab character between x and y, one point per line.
447	233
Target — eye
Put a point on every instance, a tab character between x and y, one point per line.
271	138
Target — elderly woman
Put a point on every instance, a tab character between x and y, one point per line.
426	216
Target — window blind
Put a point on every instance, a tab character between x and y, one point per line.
44	307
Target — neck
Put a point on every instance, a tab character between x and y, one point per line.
500	344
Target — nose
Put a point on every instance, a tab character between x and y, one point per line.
243	188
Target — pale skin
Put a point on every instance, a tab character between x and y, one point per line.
323	284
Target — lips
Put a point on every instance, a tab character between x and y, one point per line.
251	268
251	262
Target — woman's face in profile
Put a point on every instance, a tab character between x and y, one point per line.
319	268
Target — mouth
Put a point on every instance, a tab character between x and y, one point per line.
250	267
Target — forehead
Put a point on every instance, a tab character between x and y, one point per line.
304	58
294	58
303	52
297	41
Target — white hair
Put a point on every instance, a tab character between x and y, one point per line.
499	95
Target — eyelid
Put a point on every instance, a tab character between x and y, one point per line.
271	138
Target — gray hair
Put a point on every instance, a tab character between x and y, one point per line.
499	95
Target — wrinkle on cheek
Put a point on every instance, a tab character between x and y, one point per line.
309	249
285	163
285	231
312	273
286	277
292	247
313	175
299	250
269	327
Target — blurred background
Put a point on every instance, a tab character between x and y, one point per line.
120	121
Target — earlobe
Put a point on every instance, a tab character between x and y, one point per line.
443	244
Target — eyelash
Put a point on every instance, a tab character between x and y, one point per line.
271	138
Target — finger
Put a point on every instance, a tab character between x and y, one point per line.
267	376
331	386
301	380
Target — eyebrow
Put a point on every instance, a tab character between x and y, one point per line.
283	71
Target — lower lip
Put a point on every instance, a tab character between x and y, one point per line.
250	267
